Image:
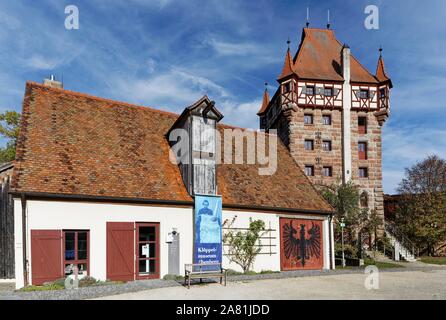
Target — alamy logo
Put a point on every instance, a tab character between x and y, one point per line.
72	18
371	22
371	282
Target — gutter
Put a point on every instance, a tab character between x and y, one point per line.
77	197
25	260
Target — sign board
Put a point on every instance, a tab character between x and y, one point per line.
342	224
208	233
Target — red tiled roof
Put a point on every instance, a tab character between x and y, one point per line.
381	74
265	102
75	144
287	69
319	58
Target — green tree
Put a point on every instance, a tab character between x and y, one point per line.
344	198
242	247
421	212
9	129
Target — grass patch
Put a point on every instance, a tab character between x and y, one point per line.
60	284
174	277
381	265
434	260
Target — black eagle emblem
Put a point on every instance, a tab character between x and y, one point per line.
301	248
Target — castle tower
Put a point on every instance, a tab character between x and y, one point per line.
329	110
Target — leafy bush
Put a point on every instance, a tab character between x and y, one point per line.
349	250
174	277
87	282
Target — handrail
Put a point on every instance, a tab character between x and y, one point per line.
402	239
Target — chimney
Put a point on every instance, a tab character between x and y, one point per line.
52	82
346	62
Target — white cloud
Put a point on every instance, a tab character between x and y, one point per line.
42	63
404	146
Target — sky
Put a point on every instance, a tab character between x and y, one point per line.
168	53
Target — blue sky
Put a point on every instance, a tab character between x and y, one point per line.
168	53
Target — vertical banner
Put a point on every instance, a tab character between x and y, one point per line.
208	233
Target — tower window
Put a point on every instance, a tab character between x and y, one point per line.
363	172
364	94
362	150
326	120
364	200
309	170
310	90
327	171
309	145
382	92
308	119
287	87
362	125
326	145
328	92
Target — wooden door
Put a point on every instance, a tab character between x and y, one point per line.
147	251
46	256
301	244
121	251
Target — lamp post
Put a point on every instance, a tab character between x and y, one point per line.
342	241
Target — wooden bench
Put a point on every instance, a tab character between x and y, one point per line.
198	270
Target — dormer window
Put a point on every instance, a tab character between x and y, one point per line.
198	164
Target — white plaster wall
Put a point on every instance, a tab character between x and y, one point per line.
58	215
262	261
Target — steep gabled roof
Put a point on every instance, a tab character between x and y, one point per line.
79	145
265	102
319	58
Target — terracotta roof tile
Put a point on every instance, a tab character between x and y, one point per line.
381	73
76	144
287	69
265	102
319	58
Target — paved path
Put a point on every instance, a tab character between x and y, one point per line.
418	283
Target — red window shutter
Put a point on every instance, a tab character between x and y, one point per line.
46	256
120	251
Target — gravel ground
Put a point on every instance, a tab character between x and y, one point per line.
407	285
144	285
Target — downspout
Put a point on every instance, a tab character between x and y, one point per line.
25	261
330	255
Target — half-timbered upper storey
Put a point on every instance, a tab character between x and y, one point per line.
314	78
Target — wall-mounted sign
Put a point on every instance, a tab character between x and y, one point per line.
208	234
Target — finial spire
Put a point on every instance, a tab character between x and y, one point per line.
266	86
380	50
308	17
288	43
328	19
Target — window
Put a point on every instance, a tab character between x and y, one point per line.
326	145
310	90
328	92
362	150
364	94
76	253
363	172
362	125
326	120
382	92
309	145
308	119
286	87
327	171
309	170
364	200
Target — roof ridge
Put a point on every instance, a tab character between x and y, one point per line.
90	96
